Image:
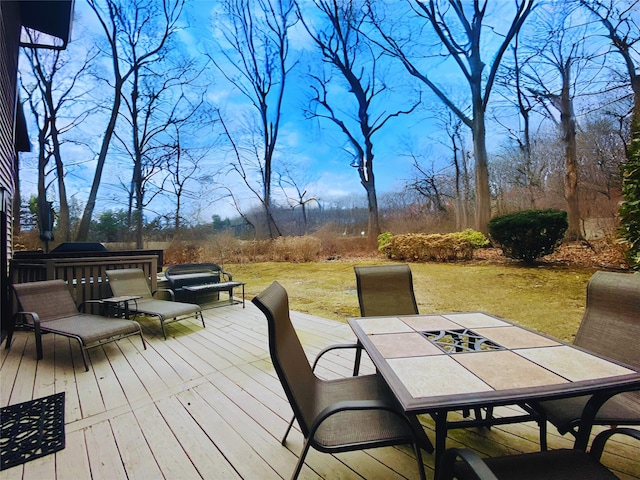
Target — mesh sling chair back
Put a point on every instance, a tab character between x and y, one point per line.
132	281
344	414
384	290
563	464
610	327
49	307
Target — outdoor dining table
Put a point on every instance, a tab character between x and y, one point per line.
436	364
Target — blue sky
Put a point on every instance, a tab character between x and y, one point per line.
315	149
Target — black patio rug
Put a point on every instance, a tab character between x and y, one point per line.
31	430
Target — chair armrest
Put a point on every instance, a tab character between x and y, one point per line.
597	447
227	274
471	458
36	330
166	290
586	420
337	346
354	405
34	317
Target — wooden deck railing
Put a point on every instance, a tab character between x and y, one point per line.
85	277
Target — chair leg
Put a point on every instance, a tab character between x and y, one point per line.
300	463
420	436
284	439
416	450
7	344
164	334
144	344
38	335
84	355
356	363
202	318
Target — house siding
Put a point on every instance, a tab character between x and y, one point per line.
10	34
9	40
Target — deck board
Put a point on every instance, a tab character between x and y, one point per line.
206	403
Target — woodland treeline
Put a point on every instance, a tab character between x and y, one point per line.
160	111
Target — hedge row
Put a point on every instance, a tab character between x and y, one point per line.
419	247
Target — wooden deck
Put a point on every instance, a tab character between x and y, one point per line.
206	403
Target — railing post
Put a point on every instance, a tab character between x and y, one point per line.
50	269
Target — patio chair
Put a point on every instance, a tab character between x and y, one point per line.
384	290
610	327
564	464
132	282
49	307
339	415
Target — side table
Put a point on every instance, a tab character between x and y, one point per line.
120	303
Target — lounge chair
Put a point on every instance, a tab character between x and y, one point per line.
610	327
49	307
340	415
563	464
132	282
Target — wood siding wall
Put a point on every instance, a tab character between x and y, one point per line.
9	35
9	39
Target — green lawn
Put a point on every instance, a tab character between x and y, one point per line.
550	299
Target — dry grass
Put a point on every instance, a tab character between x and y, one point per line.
548	298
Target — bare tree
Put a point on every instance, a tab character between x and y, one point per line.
292	183
253	56
620	20
514	82
559	69
147	24
183	166
460	159
160	97
458	27
51	88
345	49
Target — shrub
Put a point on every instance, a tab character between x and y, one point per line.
529	234
384	243
474	238
183	252
434	247
295	249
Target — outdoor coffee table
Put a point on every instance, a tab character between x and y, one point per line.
440	363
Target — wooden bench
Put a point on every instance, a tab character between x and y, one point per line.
188	280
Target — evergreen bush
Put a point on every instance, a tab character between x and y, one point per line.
630	207
529	234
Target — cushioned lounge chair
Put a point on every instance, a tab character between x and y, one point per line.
132	282
562	464
49	307
338	415
610	327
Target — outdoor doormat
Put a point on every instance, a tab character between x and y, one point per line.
31	430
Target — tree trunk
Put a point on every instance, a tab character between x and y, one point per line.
85	222
483	193
368	182
64	226
568	125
